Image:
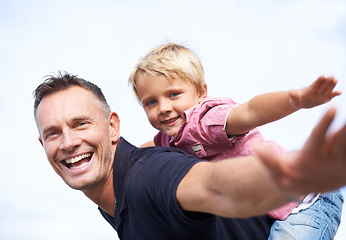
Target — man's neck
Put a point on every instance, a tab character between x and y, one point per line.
103	196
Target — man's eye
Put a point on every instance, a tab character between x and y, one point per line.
51	135
81	124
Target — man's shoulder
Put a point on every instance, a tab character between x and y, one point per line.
133	153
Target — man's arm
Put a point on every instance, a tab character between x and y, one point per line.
270	107
319	167
254	185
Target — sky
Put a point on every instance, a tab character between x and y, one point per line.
246	47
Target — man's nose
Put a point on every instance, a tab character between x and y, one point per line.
70	141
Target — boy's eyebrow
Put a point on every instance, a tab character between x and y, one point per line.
145	98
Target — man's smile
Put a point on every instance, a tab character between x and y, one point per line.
77	162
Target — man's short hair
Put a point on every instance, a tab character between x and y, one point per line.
61	82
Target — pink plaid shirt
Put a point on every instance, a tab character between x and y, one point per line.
203	135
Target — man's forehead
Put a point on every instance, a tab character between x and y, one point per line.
72	94
71	102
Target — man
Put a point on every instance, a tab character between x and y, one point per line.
163	193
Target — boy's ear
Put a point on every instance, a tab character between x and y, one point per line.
203	93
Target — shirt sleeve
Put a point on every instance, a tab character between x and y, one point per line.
161	139
204	132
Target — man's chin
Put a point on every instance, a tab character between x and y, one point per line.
80	183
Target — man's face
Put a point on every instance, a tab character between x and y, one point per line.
77	137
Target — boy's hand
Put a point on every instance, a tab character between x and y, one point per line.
319	92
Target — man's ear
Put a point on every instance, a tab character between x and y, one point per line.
40	139
114	125
203	93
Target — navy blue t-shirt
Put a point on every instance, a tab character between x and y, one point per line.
145	184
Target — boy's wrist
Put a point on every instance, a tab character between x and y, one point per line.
294	104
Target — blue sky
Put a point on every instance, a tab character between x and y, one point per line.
246	47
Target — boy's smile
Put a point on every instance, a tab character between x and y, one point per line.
165	100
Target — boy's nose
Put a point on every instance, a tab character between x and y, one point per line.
165	107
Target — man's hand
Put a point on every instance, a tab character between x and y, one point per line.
319	167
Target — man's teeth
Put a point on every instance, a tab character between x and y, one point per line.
82	165
76	159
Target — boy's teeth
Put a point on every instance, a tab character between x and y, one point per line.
171	120
76	159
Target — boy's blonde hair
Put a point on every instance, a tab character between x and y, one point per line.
172	60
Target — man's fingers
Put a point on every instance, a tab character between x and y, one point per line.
268	156
317	137
337	143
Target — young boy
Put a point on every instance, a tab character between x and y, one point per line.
169	84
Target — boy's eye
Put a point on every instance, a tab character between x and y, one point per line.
150	103
174	94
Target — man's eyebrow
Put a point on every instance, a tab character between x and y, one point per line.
75	119
48	129
81	118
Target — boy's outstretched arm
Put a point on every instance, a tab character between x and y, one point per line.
269	107
254	185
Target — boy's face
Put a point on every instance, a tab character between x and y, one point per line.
165	100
